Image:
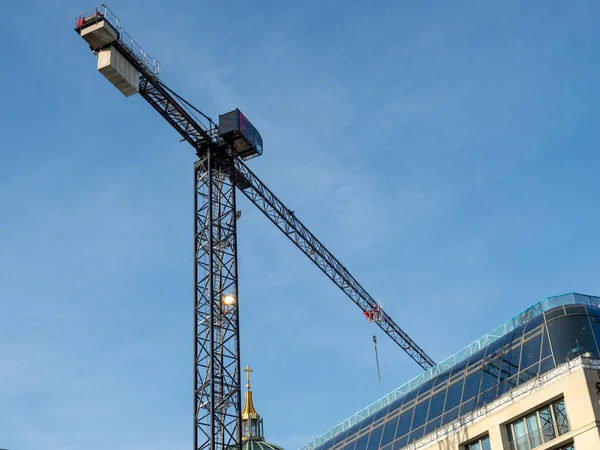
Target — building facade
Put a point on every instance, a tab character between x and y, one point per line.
534	382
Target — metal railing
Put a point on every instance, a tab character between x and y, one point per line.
102	12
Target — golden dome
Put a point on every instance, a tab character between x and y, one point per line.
252	423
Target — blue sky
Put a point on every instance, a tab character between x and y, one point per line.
445	152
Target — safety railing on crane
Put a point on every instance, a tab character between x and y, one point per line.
101	12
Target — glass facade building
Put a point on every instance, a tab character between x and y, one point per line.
546	335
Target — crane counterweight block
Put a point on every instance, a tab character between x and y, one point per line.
97	32
120	72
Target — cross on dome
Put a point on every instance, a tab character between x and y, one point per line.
248	371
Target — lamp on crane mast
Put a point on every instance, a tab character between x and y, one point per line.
229	299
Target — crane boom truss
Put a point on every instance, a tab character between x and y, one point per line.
290	225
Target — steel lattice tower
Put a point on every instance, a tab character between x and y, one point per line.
217	409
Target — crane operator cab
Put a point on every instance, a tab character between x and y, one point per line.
237	131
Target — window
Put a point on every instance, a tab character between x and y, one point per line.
571	336
362	441
389	431
539	427
453	395
437	405
404	423
567	447
420	414
375	438
530	357
471	386
480	444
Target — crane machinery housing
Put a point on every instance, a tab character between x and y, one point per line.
219	171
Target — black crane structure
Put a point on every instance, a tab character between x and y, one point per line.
219	172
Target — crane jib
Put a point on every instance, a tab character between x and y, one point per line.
262	197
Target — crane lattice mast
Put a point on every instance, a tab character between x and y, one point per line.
218	173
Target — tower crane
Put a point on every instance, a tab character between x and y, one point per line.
220	170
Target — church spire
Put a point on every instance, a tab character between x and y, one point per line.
252	426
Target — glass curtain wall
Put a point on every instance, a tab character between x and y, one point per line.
534	348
